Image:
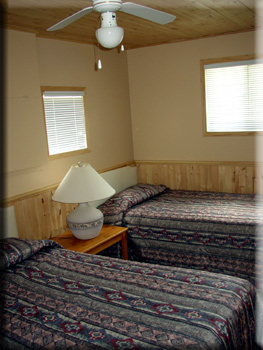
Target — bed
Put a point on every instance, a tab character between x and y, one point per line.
52	298
202	230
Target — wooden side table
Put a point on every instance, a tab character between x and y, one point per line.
107	237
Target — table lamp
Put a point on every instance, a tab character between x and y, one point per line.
82	184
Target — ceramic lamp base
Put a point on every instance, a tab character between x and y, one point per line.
85	222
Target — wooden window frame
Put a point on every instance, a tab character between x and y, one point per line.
70	153
204	62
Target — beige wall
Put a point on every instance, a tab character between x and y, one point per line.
166	101
33	62
149	106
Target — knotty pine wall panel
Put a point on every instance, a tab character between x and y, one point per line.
232	177
38	217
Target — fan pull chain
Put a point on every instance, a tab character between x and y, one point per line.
99	64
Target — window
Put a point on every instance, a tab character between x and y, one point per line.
65	121
233	100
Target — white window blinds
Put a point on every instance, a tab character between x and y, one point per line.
65	121
233	93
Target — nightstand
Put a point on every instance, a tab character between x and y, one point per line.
107	237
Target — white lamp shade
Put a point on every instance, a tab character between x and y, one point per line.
109	37
82	184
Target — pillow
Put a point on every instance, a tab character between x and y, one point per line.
15	250
114	208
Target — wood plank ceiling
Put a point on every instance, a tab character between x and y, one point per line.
194	19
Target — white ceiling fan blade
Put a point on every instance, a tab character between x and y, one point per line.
147	13
65	22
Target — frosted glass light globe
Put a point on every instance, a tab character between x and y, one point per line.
109	37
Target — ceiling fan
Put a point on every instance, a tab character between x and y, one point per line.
109	35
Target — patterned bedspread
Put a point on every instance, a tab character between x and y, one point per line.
52	298
208	231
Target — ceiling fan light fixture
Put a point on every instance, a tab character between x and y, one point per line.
109	35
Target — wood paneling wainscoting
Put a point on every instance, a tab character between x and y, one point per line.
38	216
233	177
